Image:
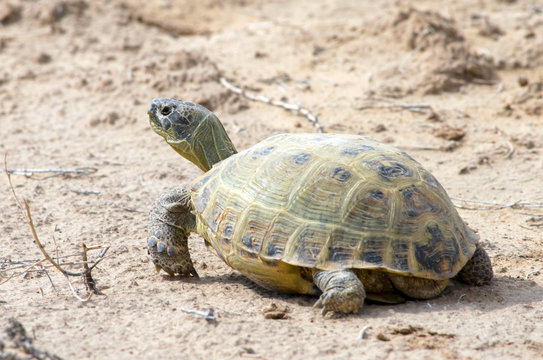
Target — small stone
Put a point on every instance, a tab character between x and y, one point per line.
248	350
275	312
407	330
466	169
382	337
522	80
9	13
448	132
43	58
433	116
529	34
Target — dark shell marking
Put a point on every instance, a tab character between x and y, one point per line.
437	254
300	159
341	175
358	150
394	170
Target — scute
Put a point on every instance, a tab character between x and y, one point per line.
331	202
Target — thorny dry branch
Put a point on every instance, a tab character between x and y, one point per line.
85	274
296	109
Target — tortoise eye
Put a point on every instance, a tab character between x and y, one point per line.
166	110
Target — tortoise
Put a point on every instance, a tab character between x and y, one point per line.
341	216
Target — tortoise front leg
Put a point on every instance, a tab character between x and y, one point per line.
170	222
342	291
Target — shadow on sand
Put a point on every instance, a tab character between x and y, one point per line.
502	292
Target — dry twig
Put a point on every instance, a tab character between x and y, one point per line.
208	315
89	281
85	192
56	172
362	334
490	205
85	274
452	145
511	150
9	265
417	108
535	272
536	221
27	269
296	109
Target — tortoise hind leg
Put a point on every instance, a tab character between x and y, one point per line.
478	270
170	223
342	291
418	288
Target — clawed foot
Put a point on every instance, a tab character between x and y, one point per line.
169	258
341	300
170	223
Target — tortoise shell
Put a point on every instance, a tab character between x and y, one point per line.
331	202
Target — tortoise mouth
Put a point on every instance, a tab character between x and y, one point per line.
153	117
152	110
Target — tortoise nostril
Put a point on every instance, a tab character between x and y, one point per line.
166	110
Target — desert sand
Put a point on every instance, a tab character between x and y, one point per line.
458	85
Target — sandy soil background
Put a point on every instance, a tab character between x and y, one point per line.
77	77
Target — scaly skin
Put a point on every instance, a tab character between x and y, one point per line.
478	270
191	130
342	291
170	223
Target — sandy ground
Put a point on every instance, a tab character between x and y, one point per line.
77	77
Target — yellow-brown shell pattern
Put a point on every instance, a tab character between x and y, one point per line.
331	202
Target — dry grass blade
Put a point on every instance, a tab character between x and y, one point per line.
74	291
297	109
42	249
23	272
9	181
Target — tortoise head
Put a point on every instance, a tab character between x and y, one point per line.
191	130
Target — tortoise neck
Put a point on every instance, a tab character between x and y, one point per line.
211	144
